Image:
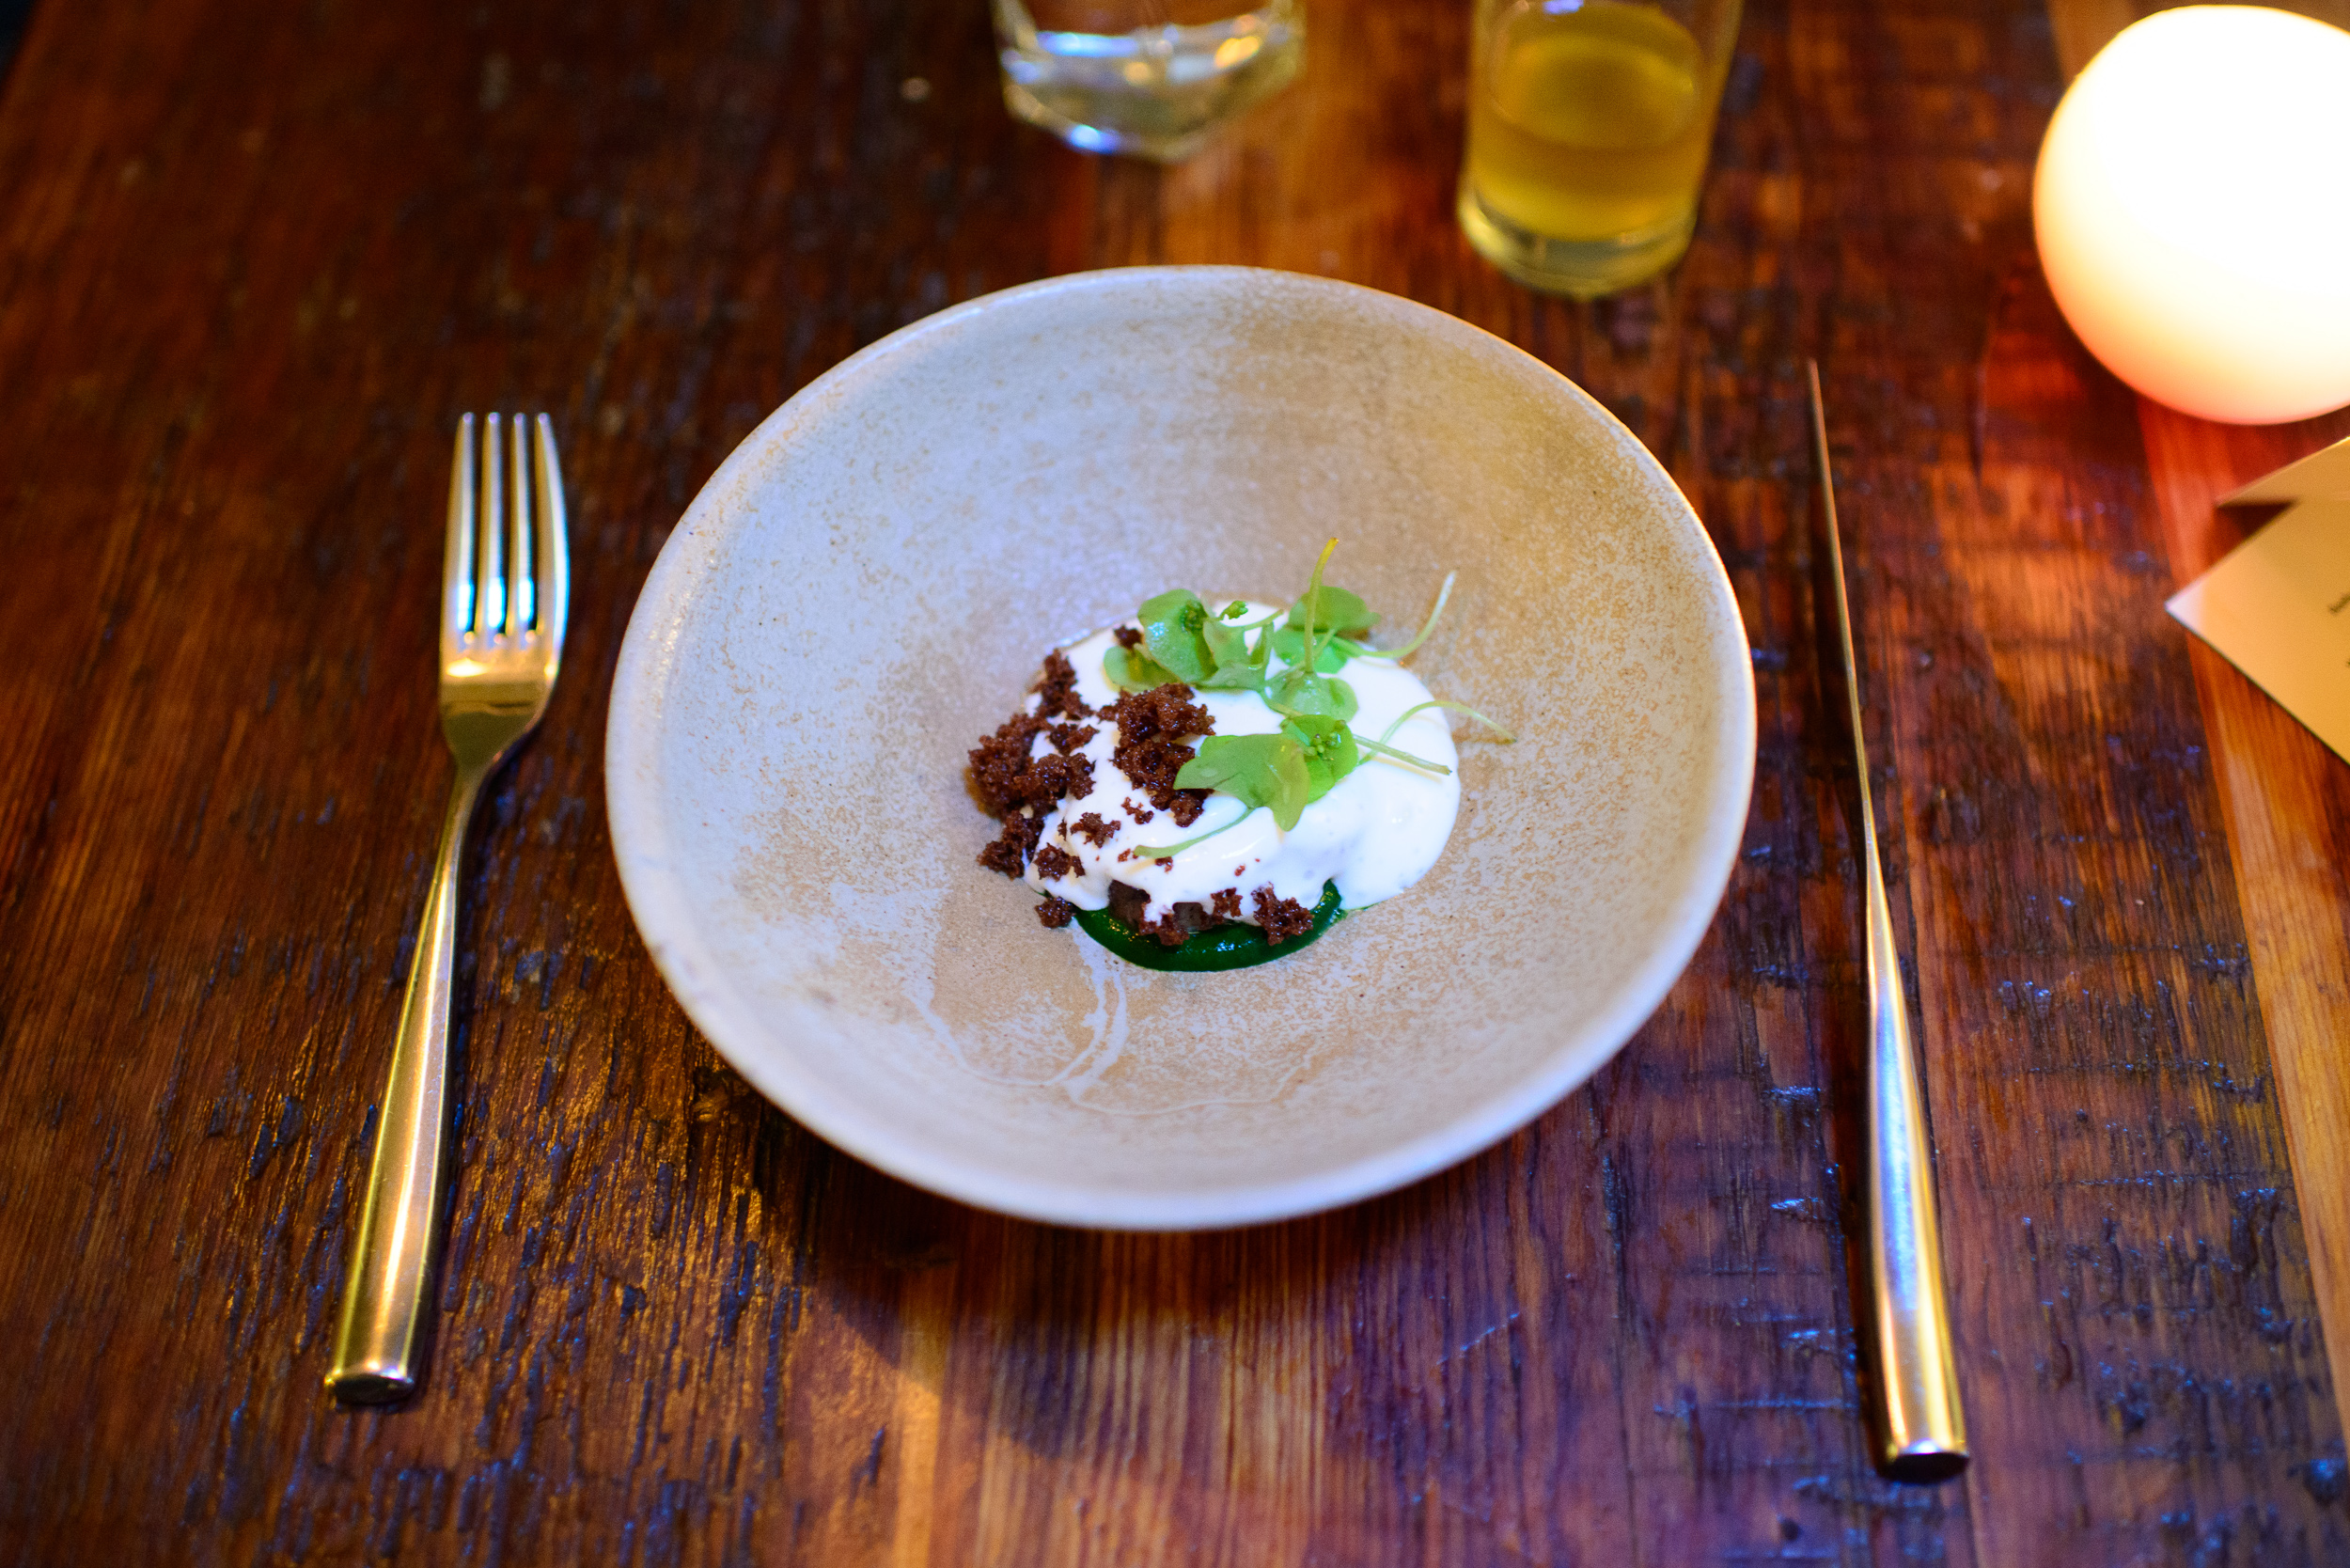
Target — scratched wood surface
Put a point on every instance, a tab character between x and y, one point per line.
253	261
2283	791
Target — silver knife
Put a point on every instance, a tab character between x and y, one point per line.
1922	1432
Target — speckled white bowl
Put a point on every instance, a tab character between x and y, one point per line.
868	584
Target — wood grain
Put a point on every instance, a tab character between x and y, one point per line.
2287	799
2281	790
253	263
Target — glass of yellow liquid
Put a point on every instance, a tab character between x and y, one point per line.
1588	126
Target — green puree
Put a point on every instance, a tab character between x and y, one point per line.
1227	947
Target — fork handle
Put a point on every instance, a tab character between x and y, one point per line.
376	1343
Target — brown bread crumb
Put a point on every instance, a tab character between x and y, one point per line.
1044	781
1018	787
1069	737
1152	727
1056	912
1130	904
998	763
1128	637
1007	776
1141	813
1053	862
1091	828
1225	904
1056	690
1281	919
1009	854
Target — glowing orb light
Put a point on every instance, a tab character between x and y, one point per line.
2192	206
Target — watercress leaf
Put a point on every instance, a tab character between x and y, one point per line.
1330	751
1289	642
1339	611
1130	669
1255	770
1295	692
1173	629
1228	645
1234	678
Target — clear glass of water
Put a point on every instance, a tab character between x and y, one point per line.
1152	78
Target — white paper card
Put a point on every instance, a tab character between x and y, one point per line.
2324	473
2278	607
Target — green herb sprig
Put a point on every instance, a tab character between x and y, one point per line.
1289	770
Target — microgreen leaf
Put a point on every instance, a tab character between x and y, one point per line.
1130	669
1330	751
1338	611
1228	645
1169	852
1172	626
1234	678
1255	770
1408	649
1289	642
1384	749
1298	692
1313	600
1237	667
1456	707
1233	611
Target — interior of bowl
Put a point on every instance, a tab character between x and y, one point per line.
871	580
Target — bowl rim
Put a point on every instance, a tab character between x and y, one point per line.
664	915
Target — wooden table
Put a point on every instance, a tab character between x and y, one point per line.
254	259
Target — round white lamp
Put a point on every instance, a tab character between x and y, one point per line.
2192	206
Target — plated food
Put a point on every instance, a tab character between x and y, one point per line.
869	583
1210	785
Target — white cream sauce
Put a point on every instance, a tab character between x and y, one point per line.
1378	831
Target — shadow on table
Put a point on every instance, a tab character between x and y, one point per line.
13	15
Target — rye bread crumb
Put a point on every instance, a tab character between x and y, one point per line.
1225	904
1069	737
1053	862
1152	727
1281	919
1056	912
1019	787
1130	904
1091	828
1056	690
1000	761
1009	854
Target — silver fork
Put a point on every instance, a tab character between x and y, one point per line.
505	588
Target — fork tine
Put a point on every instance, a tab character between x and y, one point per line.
457	564
490	611
552	564
521	594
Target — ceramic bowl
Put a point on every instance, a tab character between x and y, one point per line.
870	582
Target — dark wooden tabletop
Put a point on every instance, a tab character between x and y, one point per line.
255	260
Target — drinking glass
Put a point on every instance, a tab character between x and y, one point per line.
1589	121
1154	78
